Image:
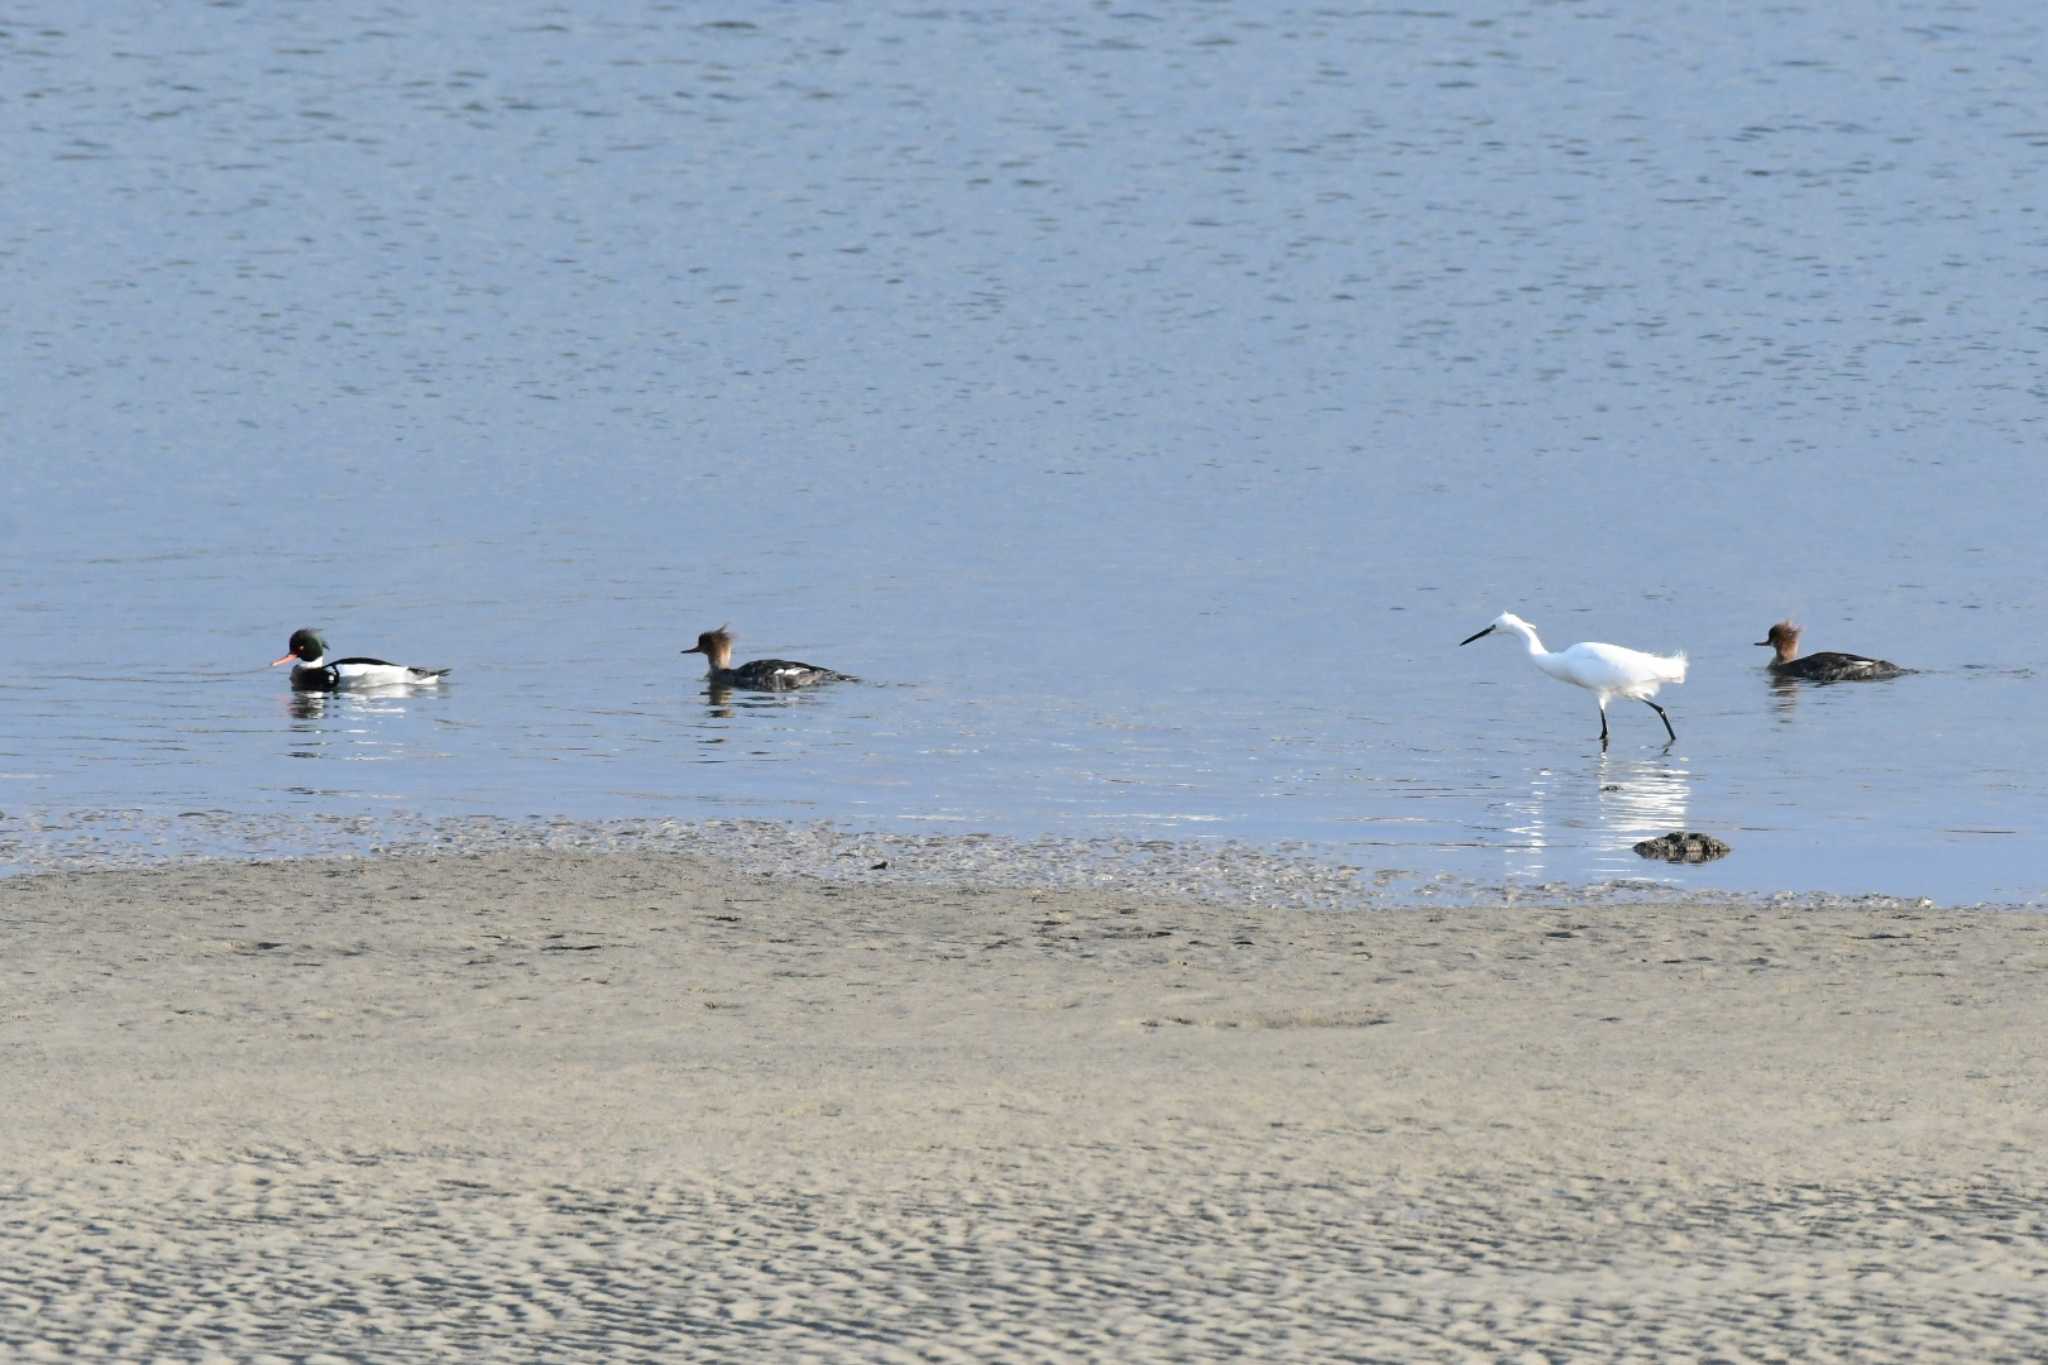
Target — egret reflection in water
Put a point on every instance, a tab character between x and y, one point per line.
1640	798
1612	805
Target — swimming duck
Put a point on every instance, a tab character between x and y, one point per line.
1784	638
763	675
313	672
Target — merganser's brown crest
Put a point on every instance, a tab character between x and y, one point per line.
715	646
760	675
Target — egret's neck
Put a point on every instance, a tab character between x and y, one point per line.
1529	638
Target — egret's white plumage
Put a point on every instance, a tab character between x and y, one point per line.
1606	671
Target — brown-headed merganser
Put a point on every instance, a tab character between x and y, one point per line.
1784	638
763	675
312	671
1606	671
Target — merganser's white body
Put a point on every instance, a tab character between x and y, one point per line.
312	672
1607	671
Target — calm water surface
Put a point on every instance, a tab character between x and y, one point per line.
1143	401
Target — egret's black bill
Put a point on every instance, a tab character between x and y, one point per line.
1474	636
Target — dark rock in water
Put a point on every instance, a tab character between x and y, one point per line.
1684	846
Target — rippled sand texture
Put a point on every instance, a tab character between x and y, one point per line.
638	1106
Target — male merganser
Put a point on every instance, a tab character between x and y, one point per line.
312	672
1784	638
764	675
1604	670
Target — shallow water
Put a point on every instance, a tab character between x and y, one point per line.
1143	404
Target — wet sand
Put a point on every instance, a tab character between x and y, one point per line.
639	1106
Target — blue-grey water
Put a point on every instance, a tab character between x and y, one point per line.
1143	401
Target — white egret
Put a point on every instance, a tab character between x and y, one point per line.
1604	670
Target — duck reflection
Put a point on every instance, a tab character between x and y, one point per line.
721	703
1784	697
725	705
338	724
309	708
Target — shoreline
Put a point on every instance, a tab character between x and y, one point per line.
621	1105
1205	870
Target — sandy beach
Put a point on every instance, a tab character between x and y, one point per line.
640	1106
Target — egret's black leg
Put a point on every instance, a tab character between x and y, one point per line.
1661	716
1603	727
